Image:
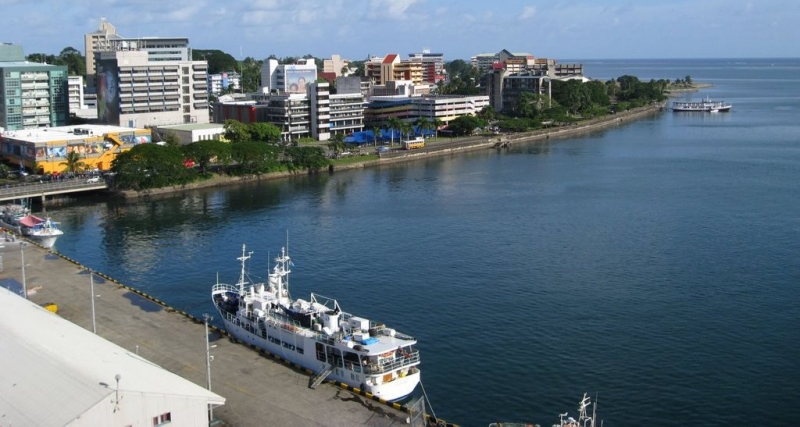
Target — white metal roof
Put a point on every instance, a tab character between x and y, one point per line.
52	370
59	133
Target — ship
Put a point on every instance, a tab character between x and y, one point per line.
584	419
705	105
317	334
17	218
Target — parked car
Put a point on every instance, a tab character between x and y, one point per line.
93	180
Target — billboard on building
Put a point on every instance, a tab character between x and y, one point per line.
107	92
297	78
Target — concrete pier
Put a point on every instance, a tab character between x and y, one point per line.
260	391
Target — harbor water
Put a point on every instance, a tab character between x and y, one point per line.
653	265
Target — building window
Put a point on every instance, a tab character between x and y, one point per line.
163	419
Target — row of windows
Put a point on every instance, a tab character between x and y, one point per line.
285	344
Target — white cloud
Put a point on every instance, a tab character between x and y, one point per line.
528	12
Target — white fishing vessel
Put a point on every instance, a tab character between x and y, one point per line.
705	105
584	419
18	218
316	334
43	230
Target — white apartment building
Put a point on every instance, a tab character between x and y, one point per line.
287	78
346	113
136	92
217	83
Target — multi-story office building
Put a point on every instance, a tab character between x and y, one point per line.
31	95
432	65
347	113
512	62
444	108
133	91
391	68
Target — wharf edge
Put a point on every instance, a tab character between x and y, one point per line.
356	406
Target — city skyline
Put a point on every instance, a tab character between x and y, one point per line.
459	29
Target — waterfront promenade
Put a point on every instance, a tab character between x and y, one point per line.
259	391
435	147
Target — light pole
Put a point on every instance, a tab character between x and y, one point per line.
207	318
24	282
91	286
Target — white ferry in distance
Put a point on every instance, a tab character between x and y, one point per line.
705	105
317	335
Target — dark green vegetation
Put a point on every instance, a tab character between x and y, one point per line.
572	101
254	149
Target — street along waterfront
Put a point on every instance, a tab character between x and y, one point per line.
649	263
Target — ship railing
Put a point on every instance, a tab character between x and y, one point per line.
389	365
224	287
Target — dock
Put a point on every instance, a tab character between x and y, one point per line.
260	390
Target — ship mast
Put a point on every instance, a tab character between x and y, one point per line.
245	256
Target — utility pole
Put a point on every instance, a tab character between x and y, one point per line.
91	289
207	318
24	282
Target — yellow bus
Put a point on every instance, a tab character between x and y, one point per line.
412	144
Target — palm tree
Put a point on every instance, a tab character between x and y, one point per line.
337	144
436	125
407	129
73	163
375	131
423	124
394	123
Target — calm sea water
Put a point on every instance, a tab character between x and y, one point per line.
654	265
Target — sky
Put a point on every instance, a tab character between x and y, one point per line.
459	29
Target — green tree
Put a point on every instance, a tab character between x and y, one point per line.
254	157
218	61
423	124
202	152
147	166
464	125
266	132
236	131
437	124
309	158
375	132
73	163
171	139
394	124
337	144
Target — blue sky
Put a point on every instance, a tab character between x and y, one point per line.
587	29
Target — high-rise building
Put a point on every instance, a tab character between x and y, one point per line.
134	91
432	65
97	41
32	95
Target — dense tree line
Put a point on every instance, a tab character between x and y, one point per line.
253	149
72	58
